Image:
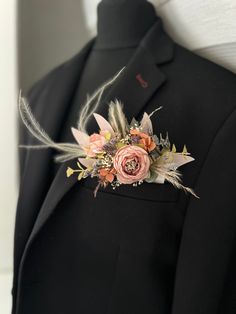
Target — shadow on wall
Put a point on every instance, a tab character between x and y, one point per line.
49	32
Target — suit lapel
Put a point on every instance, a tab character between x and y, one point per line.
134	87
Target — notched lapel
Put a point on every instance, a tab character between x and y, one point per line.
134	87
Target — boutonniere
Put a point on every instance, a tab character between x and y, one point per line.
120	152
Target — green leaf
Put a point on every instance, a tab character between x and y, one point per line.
80	176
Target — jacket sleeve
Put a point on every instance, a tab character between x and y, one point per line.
208	241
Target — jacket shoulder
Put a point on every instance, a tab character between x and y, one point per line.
210	86
201	63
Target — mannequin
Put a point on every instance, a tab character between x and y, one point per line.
112	49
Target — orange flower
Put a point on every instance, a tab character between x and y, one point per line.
134	132
107	175
145	140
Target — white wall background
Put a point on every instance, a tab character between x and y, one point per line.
8	134
51	31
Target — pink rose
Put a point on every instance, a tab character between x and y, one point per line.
131	163
96	142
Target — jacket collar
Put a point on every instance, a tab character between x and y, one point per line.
141	76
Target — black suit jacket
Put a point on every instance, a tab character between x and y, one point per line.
165	251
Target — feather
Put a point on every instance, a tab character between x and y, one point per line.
117	119
70	150
65	157
31	123
89	108
157	109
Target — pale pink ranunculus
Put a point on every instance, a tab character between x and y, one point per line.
131	163
96	142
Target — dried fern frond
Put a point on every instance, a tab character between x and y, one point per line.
89	108
117	119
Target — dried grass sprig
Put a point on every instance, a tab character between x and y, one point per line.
172	176
86	111
71	150
117	119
